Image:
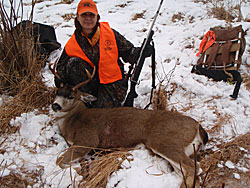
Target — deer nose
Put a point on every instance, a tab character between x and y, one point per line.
56	107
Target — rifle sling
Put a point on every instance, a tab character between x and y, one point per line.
153	76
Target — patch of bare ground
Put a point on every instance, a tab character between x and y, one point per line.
236	151
68	17
138	16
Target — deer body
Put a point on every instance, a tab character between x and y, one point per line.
168	134
125	127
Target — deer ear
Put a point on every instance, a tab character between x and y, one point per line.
86	97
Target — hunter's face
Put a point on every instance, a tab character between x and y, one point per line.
88	21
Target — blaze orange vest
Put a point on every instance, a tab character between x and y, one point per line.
109	70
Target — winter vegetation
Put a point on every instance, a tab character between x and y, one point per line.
30	141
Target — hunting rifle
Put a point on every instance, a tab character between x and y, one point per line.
139	64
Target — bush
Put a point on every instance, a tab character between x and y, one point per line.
18	58
20	67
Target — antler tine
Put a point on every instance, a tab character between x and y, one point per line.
90	77
53	70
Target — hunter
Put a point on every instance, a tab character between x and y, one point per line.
94	43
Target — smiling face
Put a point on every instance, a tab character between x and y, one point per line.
87	21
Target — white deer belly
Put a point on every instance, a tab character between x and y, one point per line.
194	145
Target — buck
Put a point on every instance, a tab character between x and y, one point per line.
171	135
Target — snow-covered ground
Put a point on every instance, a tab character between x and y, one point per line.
38	143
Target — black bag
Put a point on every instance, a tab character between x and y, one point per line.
220	75
44	36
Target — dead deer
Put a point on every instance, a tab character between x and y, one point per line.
171	135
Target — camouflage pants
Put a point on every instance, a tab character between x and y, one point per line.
108	95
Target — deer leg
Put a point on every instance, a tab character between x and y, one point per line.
188	168
182	164
72	155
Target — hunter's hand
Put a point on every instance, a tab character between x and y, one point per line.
148	50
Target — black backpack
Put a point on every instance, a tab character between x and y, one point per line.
44	36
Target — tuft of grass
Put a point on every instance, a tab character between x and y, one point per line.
160	98
97	172
68	17
222	14
138	16
177	17
226	10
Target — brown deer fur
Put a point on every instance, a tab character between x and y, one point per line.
168	134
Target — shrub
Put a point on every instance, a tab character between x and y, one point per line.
20	67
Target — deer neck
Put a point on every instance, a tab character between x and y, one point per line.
63	117
77	107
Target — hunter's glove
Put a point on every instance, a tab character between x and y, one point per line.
148	50
58	82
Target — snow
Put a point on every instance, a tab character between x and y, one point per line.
33	148
237	176
230	164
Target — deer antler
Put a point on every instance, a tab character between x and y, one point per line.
90	77
53	70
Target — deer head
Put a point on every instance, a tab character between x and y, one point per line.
67	95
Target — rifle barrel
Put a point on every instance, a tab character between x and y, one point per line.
149	32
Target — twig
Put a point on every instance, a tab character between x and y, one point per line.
203	182
184	178
195	166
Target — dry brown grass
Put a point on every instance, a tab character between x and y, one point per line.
32	95
222	119
160	98
68	17
15	180
64	2
231	151
221	13
138	16
18	58
96	172
20	69
226	10
177	17
246	81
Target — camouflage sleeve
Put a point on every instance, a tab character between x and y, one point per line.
61	68
126	49
61	64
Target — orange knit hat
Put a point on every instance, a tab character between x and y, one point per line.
87	6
